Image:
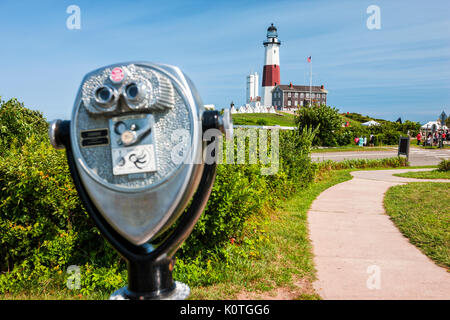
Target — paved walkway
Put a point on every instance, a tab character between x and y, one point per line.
360	254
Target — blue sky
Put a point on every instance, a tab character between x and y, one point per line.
401	70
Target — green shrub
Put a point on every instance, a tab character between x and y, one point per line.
387	133
261	122
43	225
324	119
18	123
394	162
444	165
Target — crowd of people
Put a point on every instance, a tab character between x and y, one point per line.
423	138
432	139
362	141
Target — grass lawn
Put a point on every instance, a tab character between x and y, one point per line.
421	212
267	119
434	174
353	123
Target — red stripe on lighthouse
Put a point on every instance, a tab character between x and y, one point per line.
271	75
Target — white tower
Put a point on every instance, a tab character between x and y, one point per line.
271	71
256	84
252	87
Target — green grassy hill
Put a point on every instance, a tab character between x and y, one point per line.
357	118
264	119
287	119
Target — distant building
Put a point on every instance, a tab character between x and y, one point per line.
210	107
293	96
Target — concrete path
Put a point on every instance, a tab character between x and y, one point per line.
359	252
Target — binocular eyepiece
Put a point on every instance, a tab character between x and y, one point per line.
130	126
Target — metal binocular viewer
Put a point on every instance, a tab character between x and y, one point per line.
135	150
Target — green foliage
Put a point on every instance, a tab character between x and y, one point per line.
360	118
324	119
261	122
18	123
444	165
387	133
43	225
394	162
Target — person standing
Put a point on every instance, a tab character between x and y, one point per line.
429	140
372	140
419	138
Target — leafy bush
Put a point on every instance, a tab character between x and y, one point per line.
325	119
444	165
394	162
261	122
18	123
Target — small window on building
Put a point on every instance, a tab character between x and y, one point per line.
296	94
289	103
289	94
302	95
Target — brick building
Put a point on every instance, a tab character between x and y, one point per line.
292	96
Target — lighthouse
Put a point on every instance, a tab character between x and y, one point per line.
271	71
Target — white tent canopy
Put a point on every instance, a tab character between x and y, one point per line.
370	123
429	125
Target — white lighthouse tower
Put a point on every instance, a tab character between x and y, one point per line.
271	71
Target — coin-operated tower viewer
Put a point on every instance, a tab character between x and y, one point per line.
271	71
135	151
